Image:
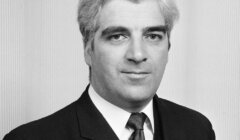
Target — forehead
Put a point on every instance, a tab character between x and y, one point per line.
133	15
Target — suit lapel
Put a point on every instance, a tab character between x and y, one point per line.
91	122
168	121
165	125
158	132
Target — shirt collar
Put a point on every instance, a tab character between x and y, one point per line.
114	115
148	110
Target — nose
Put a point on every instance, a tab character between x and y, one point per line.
136	52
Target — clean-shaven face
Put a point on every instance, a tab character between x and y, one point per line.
130	53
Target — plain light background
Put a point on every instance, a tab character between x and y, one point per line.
42	67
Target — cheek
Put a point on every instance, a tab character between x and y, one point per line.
110	55
160	61
107	61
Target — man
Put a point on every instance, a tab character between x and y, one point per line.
126	44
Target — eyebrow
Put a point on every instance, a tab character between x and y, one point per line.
161	28
120	29
114	29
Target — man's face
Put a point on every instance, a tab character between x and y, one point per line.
130	52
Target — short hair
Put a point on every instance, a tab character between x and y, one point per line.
88	11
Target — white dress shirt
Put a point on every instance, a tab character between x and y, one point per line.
117	117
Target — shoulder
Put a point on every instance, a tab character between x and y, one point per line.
180	110
183	119
48	127
181	113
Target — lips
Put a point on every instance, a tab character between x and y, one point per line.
136	74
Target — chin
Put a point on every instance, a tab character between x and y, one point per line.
136	94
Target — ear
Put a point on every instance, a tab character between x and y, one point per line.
88	53
169	43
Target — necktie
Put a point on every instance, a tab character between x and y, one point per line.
136	122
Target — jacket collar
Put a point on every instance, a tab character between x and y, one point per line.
91	122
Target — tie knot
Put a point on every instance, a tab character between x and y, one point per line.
136	121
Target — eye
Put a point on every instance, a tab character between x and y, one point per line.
116	37
154	37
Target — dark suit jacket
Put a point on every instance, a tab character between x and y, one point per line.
81	121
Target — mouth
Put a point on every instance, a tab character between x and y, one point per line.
136	74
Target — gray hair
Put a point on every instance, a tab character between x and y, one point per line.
88	11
